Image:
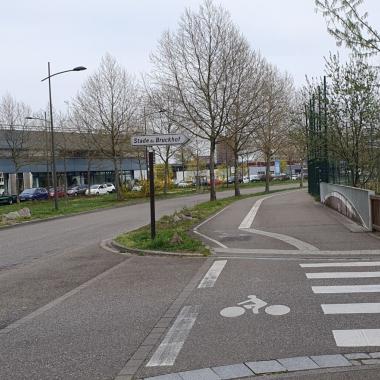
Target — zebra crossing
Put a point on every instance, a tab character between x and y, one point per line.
362	337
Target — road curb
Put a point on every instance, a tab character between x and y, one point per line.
248	369
142	252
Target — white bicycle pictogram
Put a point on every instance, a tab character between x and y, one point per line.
255	304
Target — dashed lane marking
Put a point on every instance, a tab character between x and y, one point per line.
212	275
168	350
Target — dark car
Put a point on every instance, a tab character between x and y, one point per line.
77	190
36	193
60	192
6	199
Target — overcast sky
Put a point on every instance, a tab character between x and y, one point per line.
70	33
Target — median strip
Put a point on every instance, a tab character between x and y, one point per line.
174	233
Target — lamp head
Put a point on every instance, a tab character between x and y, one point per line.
79	68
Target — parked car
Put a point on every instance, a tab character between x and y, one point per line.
254	177
60	192
294	177
34	194
217	182
97	190
6	199
137	187
245	179
77	190
184	184
110	187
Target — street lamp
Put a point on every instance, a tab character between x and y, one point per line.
54	171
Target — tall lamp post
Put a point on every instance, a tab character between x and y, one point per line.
54	171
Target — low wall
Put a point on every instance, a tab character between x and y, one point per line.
352	202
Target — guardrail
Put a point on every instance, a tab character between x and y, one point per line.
352	202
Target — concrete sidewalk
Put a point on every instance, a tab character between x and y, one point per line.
298	215
294	215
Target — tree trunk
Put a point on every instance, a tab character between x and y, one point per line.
88	178
236	163
212	171
117	179
65	181
267	174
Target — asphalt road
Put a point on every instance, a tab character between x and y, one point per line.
79	312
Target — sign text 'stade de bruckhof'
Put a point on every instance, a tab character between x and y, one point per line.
149	140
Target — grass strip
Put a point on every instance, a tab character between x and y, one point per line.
75	205
174	232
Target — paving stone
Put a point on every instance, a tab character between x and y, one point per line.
265	366
171	376
357	356
298	363
327	361
375	355
371	361
124	377
199	374
234	371
152	339
129	370
142	352
355	362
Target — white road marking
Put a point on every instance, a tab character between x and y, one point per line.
211	239
195	229
299	244
247	222
351	308
342	264
342	275
168	350
357	338
346	289
250	217
212	274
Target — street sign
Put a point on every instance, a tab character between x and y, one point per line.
151	140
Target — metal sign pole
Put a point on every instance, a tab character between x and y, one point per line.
151	192
149	141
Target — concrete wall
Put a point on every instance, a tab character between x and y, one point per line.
350	201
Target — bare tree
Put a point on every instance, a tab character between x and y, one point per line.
271	131
15	133
107	105
197	64
161	107
247	107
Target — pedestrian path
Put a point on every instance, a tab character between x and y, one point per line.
360	336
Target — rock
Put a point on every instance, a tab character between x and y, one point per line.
176	218
11	215
24	213
176	239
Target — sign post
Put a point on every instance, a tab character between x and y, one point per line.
152	199
155	140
